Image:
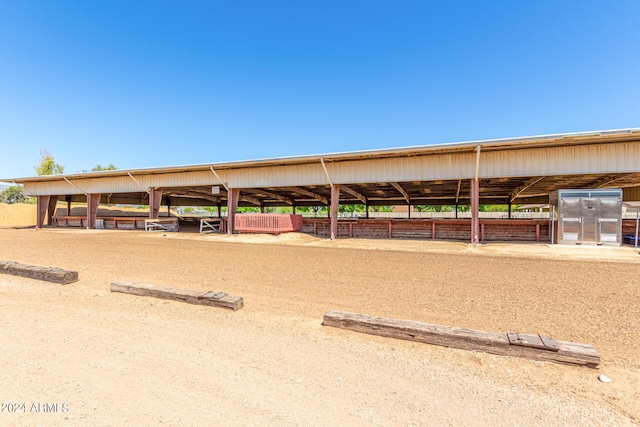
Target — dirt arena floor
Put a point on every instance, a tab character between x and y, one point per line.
114	359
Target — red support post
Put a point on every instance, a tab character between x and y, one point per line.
537	232
51	209
42	205
233	197
433	229
155	198
475	216
93	200
335	202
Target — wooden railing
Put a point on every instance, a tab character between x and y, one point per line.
447	229
110	223
267	223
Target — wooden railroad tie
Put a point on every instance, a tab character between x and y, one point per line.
210	298
512	344
49	274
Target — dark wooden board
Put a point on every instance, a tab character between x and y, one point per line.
49	274
185	295
467	339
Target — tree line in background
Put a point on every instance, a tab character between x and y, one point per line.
355	209
46	166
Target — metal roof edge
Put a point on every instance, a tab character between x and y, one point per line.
447	146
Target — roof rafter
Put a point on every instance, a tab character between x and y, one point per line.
204	195
192	194
532	181
402	191
608	180
311	194
276	196
354	193
252	200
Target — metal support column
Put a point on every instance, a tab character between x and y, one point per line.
233	197
93	200
637	223
155	198
475	204
335	202
42	205
51	209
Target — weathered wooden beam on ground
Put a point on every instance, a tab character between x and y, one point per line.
49	274
467	339
214	299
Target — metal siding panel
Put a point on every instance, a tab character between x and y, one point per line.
277	176
566	160
593	159
631	194
107	185
179	179
50	188
419	168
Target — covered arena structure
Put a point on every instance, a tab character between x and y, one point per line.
505	171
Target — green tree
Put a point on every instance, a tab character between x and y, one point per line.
352	209
48	165
381	208
109	167
493	208
13	194
303	209
248	209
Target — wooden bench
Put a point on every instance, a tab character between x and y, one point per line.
69	221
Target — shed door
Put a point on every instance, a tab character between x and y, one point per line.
590	217
610	225
570	219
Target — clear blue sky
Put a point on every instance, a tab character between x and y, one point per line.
159	83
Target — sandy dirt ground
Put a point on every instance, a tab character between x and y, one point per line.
114	359
18	214
24	214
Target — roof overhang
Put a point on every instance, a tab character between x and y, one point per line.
540	141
